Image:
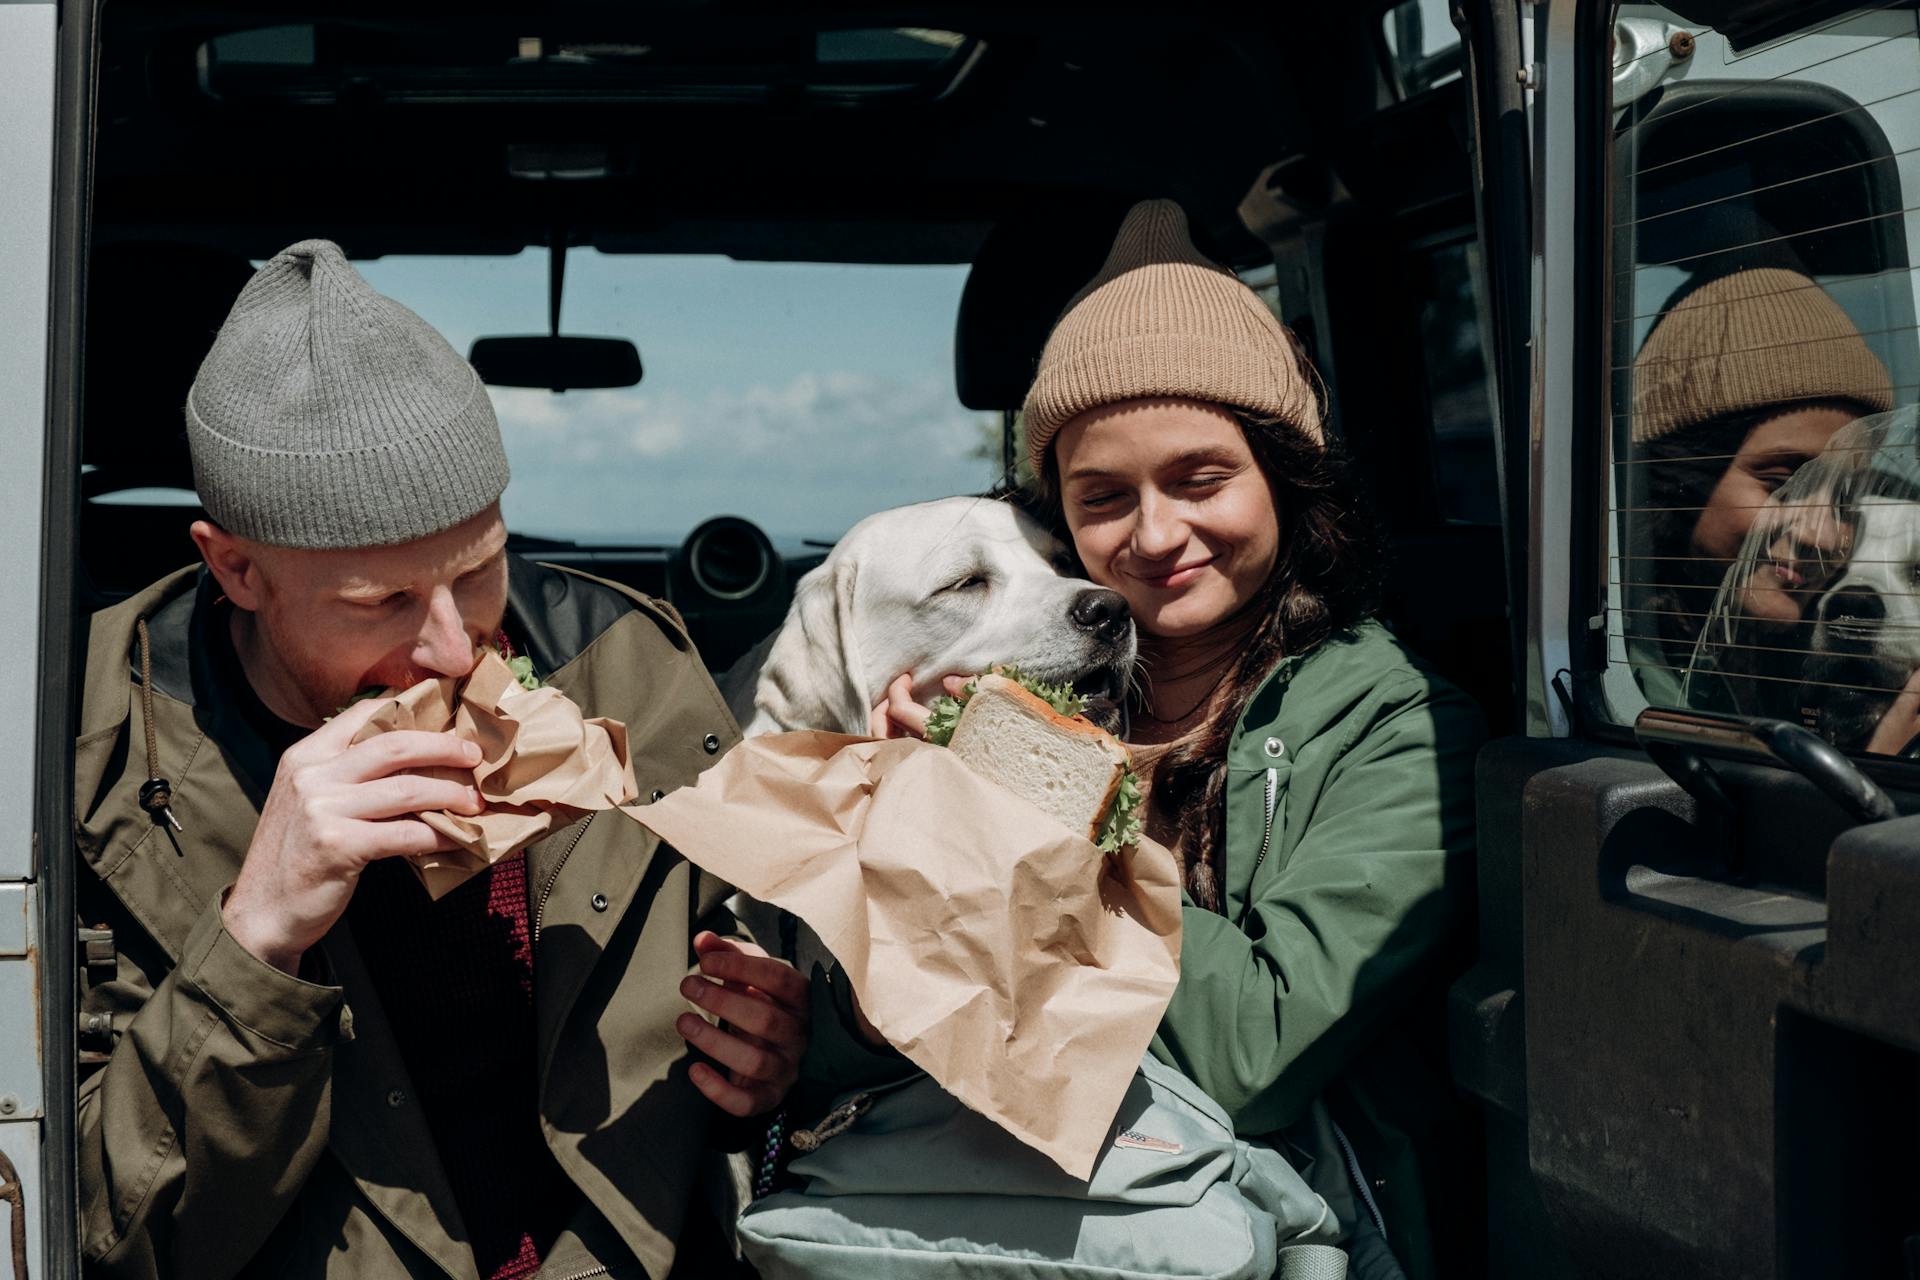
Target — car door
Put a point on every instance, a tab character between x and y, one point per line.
1693	1025
45	58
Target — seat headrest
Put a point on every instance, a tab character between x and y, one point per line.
1025	273
153	309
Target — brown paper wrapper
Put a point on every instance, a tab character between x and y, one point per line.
1003	954
543	764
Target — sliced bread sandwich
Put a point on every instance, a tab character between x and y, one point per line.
1029	738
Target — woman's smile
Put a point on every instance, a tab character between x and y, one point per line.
1167	506
1175	577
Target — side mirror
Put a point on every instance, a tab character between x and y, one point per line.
557	363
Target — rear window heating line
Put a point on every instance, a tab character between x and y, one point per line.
1857	107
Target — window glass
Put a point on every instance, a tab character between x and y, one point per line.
1459	394
1422	46
802	396
1763	478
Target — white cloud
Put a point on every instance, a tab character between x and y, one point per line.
807	457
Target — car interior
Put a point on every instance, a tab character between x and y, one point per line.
1322	152
1689	1029
1328	168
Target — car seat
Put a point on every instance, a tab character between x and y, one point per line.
153	309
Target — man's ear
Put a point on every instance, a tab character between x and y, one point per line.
234	562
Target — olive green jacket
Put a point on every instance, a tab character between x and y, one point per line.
1348	890
237	1121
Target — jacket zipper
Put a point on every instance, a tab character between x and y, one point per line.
1359	1178
1266	841
1346	1148
601	1270
540	911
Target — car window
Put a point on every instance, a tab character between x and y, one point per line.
1763	359
1422	46
801	396
1459	382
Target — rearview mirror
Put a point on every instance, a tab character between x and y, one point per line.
557	363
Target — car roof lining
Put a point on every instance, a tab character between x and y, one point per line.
1067	103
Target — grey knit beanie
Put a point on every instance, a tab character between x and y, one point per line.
328	416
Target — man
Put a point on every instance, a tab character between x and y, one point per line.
300	1065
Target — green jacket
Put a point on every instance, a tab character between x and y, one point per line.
236	1121
1348	888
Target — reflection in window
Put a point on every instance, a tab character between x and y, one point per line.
1818	619
1762	490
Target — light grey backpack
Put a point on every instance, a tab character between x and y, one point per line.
908	1183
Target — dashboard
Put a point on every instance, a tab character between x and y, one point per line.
728	579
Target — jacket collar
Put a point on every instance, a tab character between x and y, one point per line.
186	669
1290	710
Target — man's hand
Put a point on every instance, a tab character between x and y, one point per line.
899	716
762	1005
333	808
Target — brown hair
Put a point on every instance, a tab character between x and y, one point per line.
1326	578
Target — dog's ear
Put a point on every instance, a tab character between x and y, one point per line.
813	672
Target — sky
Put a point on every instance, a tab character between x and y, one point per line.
802	396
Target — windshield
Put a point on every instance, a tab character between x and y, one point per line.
802	396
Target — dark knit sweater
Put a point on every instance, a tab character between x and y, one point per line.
456	981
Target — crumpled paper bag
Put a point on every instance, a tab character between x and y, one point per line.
543	765
1003	954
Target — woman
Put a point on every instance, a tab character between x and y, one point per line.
1833	550
1742	380
1314	778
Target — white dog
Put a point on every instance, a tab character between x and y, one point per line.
939	588
1866	633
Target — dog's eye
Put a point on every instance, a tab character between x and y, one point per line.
972	582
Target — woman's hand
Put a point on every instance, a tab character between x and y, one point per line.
762	1006
1901	724
899	716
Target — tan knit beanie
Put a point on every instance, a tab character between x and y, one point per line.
1160	319
1745	341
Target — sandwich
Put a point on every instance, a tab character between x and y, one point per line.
1029	736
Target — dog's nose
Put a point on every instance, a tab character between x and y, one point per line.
1101	611
1855	606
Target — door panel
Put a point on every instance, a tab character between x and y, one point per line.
1711	1075
1693	1029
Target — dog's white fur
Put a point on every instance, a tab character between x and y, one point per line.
938	588
1885	559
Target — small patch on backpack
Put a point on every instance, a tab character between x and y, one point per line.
1145	1142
